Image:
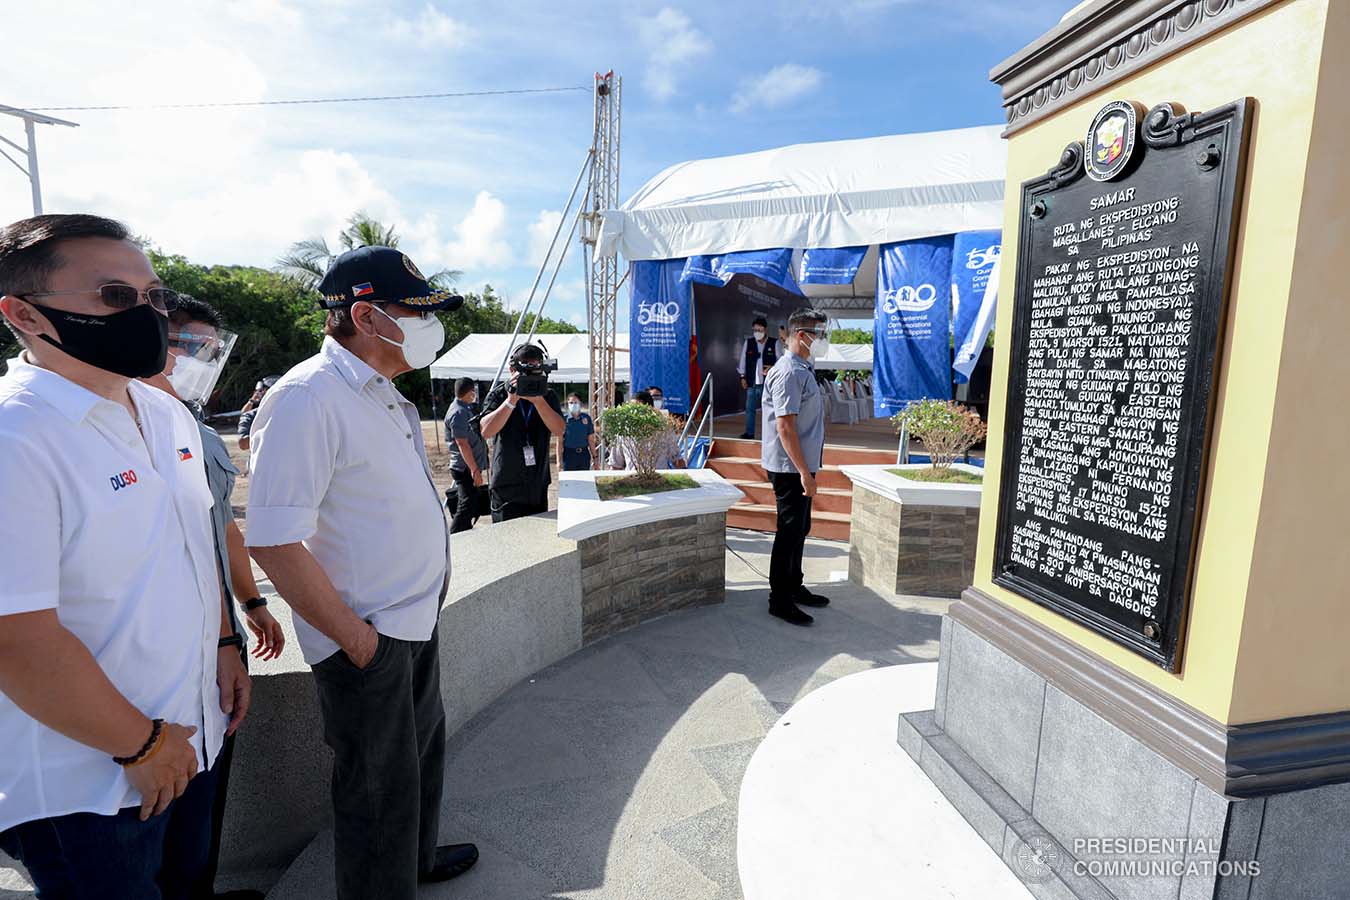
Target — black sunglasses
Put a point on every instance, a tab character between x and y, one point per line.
121	297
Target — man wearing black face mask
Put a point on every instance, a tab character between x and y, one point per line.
111	610
343	516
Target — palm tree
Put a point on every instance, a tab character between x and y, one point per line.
308	260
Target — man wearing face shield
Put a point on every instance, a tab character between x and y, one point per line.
199	347
344	518
791	454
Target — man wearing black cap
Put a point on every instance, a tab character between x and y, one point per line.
345	520
523	428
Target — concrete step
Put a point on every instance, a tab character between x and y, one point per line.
830	526
743	468
827	499
834	456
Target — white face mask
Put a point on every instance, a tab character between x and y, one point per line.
194	379
423	338
574	408
759	334
819	347
659	402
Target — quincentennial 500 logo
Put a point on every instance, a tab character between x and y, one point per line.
658	312
909	298
978	259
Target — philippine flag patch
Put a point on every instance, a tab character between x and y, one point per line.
184	454
360	290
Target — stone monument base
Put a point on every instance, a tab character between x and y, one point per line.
1089	783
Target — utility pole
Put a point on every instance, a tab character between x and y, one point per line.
30	121
603	283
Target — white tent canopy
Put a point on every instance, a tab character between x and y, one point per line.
479	355
834	194
846	356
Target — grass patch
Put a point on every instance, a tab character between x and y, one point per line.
946	476
616	487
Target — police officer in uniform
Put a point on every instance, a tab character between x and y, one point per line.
520	429
577	449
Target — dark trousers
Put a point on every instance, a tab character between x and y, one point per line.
86	856
789	540
386	726
206	886
466	493
505	510
752	397
576	459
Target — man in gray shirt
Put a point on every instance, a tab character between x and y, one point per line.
468	454
793	445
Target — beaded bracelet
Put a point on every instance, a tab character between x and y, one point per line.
151	745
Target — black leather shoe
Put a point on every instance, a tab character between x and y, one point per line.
452	860
790	614
806	598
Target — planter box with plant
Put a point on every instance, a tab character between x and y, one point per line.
914	527
648	439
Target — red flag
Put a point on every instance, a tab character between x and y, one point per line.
695	377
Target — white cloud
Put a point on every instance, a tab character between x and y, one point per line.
480	236
777	87
540	232
671	42
431	28
271	13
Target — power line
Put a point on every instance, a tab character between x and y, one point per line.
247	103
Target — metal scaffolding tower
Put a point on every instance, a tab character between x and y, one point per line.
30	119
603	283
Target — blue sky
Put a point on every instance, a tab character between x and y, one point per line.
473	183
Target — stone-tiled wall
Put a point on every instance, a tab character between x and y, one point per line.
911	549
631	575
1030	766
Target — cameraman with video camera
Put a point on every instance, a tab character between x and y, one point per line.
521	417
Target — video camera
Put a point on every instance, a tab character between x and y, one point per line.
532	365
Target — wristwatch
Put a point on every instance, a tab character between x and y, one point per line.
251	605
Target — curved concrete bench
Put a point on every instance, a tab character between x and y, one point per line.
514	607
521	598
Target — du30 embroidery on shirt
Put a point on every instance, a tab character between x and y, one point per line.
123	479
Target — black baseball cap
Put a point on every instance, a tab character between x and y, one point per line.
382	275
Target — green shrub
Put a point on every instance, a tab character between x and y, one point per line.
946	428
644	432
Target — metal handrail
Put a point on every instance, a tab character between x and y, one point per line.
707	419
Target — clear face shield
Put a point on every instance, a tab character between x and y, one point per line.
198	360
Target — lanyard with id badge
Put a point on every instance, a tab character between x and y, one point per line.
527	412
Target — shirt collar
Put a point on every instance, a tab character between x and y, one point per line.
354	370
799	362
62	394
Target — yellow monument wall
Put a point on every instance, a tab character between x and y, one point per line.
1268	632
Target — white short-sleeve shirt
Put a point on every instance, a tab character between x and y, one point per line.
110	526
338	463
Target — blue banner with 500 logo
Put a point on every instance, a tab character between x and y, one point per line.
659	328
912	326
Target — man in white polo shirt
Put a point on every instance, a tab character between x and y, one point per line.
114	692
344	518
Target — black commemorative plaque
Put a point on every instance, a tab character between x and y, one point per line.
1123	270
